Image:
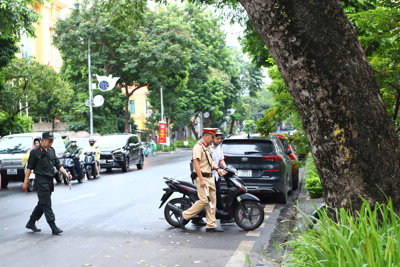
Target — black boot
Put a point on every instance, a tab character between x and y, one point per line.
31	225
55	229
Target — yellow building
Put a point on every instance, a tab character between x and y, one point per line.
41	47
139	108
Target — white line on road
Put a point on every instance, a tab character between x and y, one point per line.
269	208
262	225
254	233
238	258
266	217
80	197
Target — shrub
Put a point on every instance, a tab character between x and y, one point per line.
313	183
190	145
369	237
314	187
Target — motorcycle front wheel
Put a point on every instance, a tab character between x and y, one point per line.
65	179
89	173
255	212
170	216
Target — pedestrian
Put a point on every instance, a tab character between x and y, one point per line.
74	149
42	161
218	158
92	148
203	166
153	147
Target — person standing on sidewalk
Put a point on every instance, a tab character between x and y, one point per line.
42	160
218	158
203	166
153	147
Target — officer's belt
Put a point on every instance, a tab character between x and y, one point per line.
206	174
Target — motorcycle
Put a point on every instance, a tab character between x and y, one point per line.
69	166
89	165
244	207
146	149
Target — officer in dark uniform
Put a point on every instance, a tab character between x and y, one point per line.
42	160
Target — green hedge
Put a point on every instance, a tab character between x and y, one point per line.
190	145
313	183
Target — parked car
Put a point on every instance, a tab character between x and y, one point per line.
261	163
13	148
291	151
119	151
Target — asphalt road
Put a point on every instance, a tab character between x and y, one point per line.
115	221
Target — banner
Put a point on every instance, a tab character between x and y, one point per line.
162	130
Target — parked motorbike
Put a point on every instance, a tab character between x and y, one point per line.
89	165
244	207
69	166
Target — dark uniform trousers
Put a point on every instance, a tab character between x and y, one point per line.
45	186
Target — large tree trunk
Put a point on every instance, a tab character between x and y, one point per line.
336	95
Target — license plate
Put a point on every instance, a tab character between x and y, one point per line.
103	161
12	171
244	173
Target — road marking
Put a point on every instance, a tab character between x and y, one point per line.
80	197
262	225
269	208
253	233
266	217
238	258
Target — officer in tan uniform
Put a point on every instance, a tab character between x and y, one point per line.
203	166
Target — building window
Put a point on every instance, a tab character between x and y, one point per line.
132	106
56	57
55	14
26	46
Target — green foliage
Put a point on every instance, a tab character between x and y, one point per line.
181	144
313	183
34	86
14	124
369	237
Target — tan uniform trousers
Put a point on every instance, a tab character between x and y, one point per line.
202	203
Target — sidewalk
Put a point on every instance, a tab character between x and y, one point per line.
307	206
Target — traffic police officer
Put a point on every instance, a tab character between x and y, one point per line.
203	165
42	160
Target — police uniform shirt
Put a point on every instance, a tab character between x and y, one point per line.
198	153
43	160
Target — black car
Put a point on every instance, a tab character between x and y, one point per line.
261	163
119	151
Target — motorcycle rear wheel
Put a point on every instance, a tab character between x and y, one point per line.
170	216
31	185
255	212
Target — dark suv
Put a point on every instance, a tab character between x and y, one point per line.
119	151
261	163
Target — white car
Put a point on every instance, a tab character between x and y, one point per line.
13	148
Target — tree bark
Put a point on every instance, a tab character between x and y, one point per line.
321	60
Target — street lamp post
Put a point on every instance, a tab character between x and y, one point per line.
90	89
90	83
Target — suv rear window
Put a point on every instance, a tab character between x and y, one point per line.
247	147
16	144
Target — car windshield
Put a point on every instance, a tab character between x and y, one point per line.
111	142
247	147
15	144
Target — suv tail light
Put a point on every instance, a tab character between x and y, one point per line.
275	158
226	157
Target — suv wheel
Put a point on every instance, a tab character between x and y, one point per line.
282	197
125	167
4	182
141	162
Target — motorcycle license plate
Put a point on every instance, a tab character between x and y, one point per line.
244	173
11	171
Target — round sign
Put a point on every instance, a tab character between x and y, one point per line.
186	143
98	100
206	115
103	85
